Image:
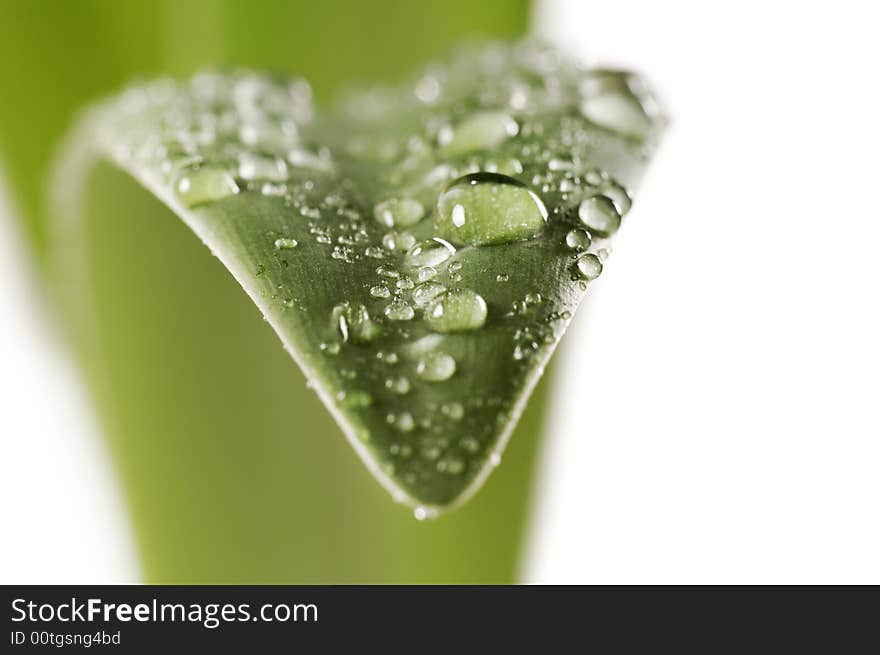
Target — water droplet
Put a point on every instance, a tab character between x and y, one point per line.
618	195
457	310
451	465
436	367
578	240
387	271
426	293
502	277
400	310
258	167
427	273
611	102
482	130
286	243
387	357
204	186
398	240
399	385
380	291
330	348
429	253
403	421
589	266
488	208
453	410
599	215
399	212
353	322
405	284
355	398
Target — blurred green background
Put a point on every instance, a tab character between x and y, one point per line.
232	470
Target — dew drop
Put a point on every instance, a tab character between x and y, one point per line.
458	310
578	240
259	167
353	323
355	399
599	215
400	310
589	266
286	244
380	291
453	410
611	103
399	385
436	367
204	186
483	130
426	293
488	208
399	212
432	252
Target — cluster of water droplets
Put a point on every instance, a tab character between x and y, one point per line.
479	199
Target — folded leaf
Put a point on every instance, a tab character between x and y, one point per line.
420	251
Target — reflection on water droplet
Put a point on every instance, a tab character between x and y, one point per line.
488	208
204	186
399	212
589	266
436	367
599	215
429	253
458	310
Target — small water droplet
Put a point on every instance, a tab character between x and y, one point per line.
610	101
380	291
578	240
488	208
589	266
426	273
436	367
451	465
599	215
285	243
399	385
453	410
400	310
457	310
353	322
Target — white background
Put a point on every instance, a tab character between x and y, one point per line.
717	420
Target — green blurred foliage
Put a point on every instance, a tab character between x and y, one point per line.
233	471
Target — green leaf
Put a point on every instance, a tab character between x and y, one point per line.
420	252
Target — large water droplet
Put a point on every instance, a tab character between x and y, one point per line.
599	215
429	253
436	366
399	212
483	130
204	186
286	243
353	322
458	310
488	208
